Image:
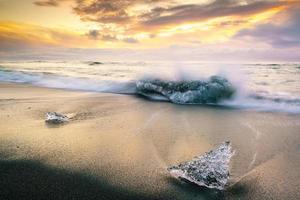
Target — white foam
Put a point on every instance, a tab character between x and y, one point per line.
278	95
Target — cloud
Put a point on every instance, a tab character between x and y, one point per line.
93	34
194	12
130	40
14	35
23	41
103	11
47	3
160	22
96	35
232	23
130	19
278	35
162	12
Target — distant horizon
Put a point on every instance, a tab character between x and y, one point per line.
107	61
166	54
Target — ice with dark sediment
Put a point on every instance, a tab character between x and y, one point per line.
210	170
213	90
56	118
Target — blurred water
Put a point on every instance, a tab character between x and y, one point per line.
274	87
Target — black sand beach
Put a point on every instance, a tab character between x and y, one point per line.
118	147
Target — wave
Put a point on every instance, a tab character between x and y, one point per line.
216	90
187	92
52	80
268	103
277	99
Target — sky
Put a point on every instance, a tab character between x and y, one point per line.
202	30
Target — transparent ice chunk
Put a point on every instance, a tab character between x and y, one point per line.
209	170
56	118
187	92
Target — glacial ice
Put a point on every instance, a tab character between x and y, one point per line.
210	170
187	92
56	118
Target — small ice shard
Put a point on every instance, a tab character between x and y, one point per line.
56	118
210	170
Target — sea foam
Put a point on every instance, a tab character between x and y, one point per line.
236	87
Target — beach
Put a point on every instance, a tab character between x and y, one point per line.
119	147
150	100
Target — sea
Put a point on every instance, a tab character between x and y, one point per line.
268	87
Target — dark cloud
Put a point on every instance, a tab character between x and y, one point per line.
47	3
93	34
116	11
103	11
130	40
109	11
166	12
283	35
96	35
194	12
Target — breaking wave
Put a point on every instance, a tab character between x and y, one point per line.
216	90
66	82
262	102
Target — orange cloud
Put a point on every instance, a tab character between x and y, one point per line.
144	23
33	35
141	20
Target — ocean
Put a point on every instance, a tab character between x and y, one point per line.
272	87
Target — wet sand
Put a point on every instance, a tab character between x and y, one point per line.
118	147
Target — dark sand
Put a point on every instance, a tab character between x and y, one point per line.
118	147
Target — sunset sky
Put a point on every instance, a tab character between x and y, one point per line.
196	29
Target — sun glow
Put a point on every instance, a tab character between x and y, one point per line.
62	26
